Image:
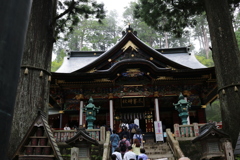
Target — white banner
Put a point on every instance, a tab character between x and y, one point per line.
158	130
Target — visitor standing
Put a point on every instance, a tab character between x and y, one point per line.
118	155
66	128
138	136
132	129
124	124
114	139
129	155
123	145
136	147
142	154
125	132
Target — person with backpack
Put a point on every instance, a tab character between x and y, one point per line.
116	155
132	129
114	139
138	136
123	145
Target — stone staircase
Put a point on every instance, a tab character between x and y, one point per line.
158	150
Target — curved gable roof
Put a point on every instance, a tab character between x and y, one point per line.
177	58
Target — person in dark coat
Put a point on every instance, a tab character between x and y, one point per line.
125	132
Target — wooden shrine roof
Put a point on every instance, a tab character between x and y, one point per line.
121	54
208	130
23	153
82	135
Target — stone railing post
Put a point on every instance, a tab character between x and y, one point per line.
176	130
195	129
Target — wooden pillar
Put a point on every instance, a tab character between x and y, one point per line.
157	115
188	119
111	109
81	113
80	97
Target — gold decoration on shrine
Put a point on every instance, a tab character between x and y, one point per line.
156	94
109	60
79	96
171	68
164	78
61	111
110	96
130	44
60	81
151	58
95	54
102	80
133	72
92	71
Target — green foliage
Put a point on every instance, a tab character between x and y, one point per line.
91	35
237	157
172	16
85	49
73	10
58	61
207	62
151	36
238	37
213	111
55	65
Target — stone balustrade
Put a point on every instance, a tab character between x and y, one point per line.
63	135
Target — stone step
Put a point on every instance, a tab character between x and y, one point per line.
159	156
169	158
158	151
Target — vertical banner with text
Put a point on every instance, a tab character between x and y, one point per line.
158	130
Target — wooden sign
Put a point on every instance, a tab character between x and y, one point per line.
132	102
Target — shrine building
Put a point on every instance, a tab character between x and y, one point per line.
131	80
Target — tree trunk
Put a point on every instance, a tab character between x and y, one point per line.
166	40
14	17
205	40
226	57
33	90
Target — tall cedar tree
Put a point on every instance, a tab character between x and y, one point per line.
33	88
14	16
175	15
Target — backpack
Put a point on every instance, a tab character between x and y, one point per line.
133	130
123	146
138	137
